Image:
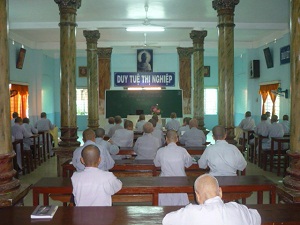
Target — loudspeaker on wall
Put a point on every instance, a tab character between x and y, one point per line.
254	69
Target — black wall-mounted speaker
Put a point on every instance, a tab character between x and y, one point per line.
254	69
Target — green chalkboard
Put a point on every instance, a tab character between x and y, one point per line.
126	102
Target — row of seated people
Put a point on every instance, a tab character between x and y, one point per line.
31	143
265	132
93	186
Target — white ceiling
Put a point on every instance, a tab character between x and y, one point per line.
34	23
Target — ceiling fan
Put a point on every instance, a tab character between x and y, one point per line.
145	44
280	92
146	25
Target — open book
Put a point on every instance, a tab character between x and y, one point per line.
44	212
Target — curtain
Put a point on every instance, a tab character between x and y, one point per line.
264	90
19	102
273	98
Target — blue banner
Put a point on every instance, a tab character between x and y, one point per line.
144	79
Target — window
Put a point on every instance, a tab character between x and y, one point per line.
82	101
210	101
269	105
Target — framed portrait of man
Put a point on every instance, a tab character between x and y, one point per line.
144	60
82	71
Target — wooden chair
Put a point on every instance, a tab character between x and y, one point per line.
26	156
45	144
282	159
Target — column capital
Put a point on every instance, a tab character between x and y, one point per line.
224	4
104	52
185	52
69	3
91	36
198	36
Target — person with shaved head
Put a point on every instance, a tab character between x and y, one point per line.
89	138
193	136
211	209
158	133
185	126
147	145
117	126
123	137
92	186
140	123
173	123
111	148
173	160
223	159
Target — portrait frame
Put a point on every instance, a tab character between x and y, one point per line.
144	61
206	71
82	71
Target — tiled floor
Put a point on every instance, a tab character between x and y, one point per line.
48	169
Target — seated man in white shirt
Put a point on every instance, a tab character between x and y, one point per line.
193	136
89	138
246	124
147	145
211	209
285	124
19	132
157	132
45	124
30	129
117	126
140	123
185	126
111	123
92	186
112	149
14	116
124	137
173	160
275	130
222	158
173	124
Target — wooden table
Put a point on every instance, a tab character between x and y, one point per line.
156	185
134	168
283	214
131	167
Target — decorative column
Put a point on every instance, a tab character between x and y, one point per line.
68	9
290	191
10	190
92	78
104	60
185	76
226	25
198	43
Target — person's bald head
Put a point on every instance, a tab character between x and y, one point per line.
274	119
219	133
193	123
206	186
128	125
153	121
88	134
100	132
148	127
171	136
90	156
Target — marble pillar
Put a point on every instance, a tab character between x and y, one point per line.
226	25
198	45
11	190
68	9
290	191
104	60
92	37
7	173
185	77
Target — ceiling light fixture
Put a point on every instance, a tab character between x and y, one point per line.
145	29
146	26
